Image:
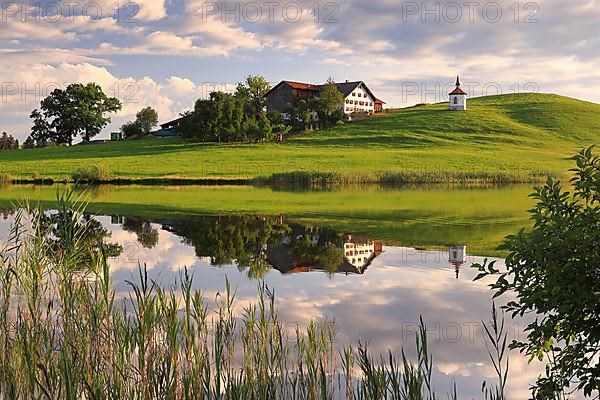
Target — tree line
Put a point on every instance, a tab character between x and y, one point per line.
82	111
241	116
8	142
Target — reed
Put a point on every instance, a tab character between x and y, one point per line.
5	179
315	180
65	334
96	173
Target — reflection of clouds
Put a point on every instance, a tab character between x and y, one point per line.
383	305
168	253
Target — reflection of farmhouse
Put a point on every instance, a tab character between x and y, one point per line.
361	253
358	98
355	255
457	256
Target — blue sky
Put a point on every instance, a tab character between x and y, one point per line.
166	54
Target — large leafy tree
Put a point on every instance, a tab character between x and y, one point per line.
78	110
328	105
145	120
331	98
219	118
554	271
253	92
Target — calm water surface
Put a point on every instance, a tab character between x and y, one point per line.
372	290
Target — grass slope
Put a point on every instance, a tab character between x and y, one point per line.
515	134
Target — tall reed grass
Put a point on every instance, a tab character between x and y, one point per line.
5	179
313	179
65	334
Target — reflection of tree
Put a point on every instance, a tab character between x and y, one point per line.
318	246
255	244
331	257
146	234
5	213
96	192
69	235
240	240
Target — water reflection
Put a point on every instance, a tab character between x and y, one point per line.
258	243
372	290
457	256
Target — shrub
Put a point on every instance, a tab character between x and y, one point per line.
553	272
92	174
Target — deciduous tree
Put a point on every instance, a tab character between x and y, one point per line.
77	110
254	92
7	142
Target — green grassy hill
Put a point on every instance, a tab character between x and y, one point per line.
518	135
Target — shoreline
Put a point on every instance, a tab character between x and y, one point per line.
310	180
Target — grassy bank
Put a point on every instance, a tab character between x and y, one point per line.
431	216
510	138
66	335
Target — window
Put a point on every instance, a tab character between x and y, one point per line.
353	94
455	100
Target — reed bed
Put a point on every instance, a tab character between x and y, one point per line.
96	173
310	179
5	179
65	334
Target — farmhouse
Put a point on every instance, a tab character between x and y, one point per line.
169	129
358	98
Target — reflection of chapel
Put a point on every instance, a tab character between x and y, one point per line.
457	256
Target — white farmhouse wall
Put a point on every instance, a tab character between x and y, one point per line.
352	103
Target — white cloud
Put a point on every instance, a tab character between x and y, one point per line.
29	85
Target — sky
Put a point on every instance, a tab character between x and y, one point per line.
168	53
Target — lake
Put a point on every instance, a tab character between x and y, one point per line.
371	259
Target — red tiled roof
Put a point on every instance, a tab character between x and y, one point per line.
458	91
345	87
302	86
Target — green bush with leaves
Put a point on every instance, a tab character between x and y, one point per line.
554	271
